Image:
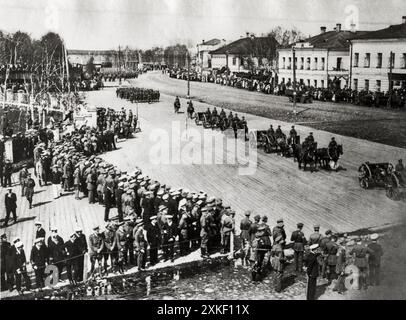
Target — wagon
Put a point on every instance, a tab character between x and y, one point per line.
201	118
374	174
260	139
224	123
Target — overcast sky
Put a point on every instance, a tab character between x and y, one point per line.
106	24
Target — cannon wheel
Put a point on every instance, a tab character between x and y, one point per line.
206	123
363	182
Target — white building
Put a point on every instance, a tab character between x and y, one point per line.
319	59
371	59
245	54
203	58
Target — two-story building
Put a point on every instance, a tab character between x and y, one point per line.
203	57
319	59
246	54
372	66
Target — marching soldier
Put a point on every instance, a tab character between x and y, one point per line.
299	242
278	132
374	260
39	260
96	245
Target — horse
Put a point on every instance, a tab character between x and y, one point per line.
282	145
325	155
305	155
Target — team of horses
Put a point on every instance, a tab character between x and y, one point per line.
306	154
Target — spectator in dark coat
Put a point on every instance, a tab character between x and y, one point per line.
11	206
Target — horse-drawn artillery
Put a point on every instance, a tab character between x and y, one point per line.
201	118
381	175
328	157
301	96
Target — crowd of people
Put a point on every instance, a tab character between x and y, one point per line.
138	94
266	84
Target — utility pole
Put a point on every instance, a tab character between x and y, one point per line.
294	81
389	104
188	75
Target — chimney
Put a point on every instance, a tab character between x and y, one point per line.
353	25
404	19
338	29
203	41
323	29
248	34
252	36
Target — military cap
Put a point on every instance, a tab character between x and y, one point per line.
201	197
38	240
153	218
374	236
314	246
132	185
139	220
165	196
38	223
127	218
264	218
152	187
120	224
316	226
300	225
279	221
189	196
146	178
143	183
210	200
72	235
257	217
129	191
204	209
19	244
262	228
247	213
199	203
329	232
140	177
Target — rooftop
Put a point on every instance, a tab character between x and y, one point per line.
392	32
212	42
249	45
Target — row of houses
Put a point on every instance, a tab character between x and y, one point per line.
369	60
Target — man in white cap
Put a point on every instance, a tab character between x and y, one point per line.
20	264
81	245
40	232
375	260
312	270
56	250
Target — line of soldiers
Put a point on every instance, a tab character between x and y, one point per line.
55	251
260	245
138	94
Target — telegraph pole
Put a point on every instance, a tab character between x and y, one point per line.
188	75
294	81
389	104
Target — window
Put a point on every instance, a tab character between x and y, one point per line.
315	65
367	61
301	63
393	61
290	64
315	82
322	82
404	61
284	63
296	62
308	64
379	61
339	61
308	82
367	85
356	60
378	86
234	61
356	84
323	61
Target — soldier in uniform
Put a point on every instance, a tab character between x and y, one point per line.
204	232
23	178
278	261
81	245
169	236
56	250
332	144
154	240
91	185
184	228
8	171
110	247
6	250
340	268
331	250
108	195
310	138
96	245
39	260
227	226
279	230
11	206
29	191
312	270
323	248
20	264
278	132
245	238
71	253
140	241
263	245
299	242
316	236
122	247
360	252
293	134
374	260
129	230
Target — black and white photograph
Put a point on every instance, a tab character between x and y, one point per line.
203	150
